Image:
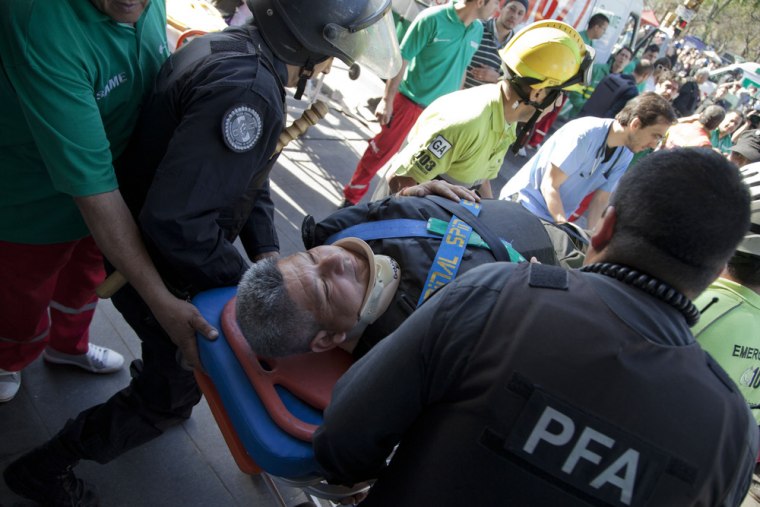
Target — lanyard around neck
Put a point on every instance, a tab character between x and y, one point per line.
601	155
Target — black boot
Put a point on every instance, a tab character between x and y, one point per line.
44	475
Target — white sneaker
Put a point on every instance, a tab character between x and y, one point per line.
10	382
521	152
97	359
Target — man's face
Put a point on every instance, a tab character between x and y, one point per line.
730	123
659	69
487	9
122	11
640	138
323	67
597	32
328	281
511	15
667	89
650	55
622	58
524	112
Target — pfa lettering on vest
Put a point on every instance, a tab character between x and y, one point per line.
593	457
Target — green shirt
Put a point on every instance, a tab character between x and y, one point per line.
628	69
723	144
586	39
461	137
438	47
71	84
729	330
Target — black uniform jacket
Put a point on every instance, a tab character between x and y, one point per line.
196	172
530	385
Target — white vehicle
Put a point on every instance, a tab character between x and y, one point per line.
748	73
624	15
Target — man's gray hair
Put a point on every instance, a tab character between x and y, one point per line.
270	320
702	72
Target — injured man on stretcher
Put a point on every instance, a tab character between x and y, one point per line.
368	267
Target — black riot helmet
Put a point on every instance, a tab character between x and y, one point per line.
306	32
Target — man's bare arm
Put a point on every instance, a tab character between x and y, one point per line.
398	183
111	224
597	206
385	107
485	189
550	184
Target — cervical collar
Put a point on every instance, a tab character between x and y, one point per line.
383	280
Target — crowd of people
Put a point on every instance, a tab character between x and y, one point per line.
501	383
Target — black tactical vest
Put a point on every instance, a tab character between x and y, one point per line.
564	404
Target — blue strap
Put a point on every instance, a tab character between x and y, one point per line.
488	236
450	252
471	206
393	228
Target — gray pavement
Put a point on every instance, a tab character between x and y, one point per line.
190	464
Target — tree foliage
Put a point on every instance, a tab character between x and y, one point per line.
728	25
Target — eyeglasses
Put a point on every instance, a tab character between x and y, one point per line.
661	67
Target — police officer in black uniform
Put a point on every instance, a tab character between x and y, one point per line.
195	177
530	385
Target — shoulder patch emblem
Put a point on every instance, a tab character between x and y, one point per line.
241	128
439	146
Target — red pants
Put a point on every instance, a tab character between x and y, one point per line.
33	278
382	147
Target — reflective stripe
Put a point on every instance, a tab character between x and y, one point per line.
35	339
447	258
440	227
72	311
449	255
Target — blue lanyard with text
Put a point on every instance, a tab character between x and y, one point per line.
450	253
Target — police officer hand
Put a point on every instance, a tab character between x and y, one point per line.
442	188
181	320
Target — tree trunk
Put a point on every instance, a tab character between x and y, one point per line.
715	8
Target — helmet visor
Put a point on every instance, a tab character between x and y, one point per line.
371	43
583	78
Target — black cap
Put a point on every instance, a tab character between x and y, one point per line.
748	145
523	2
